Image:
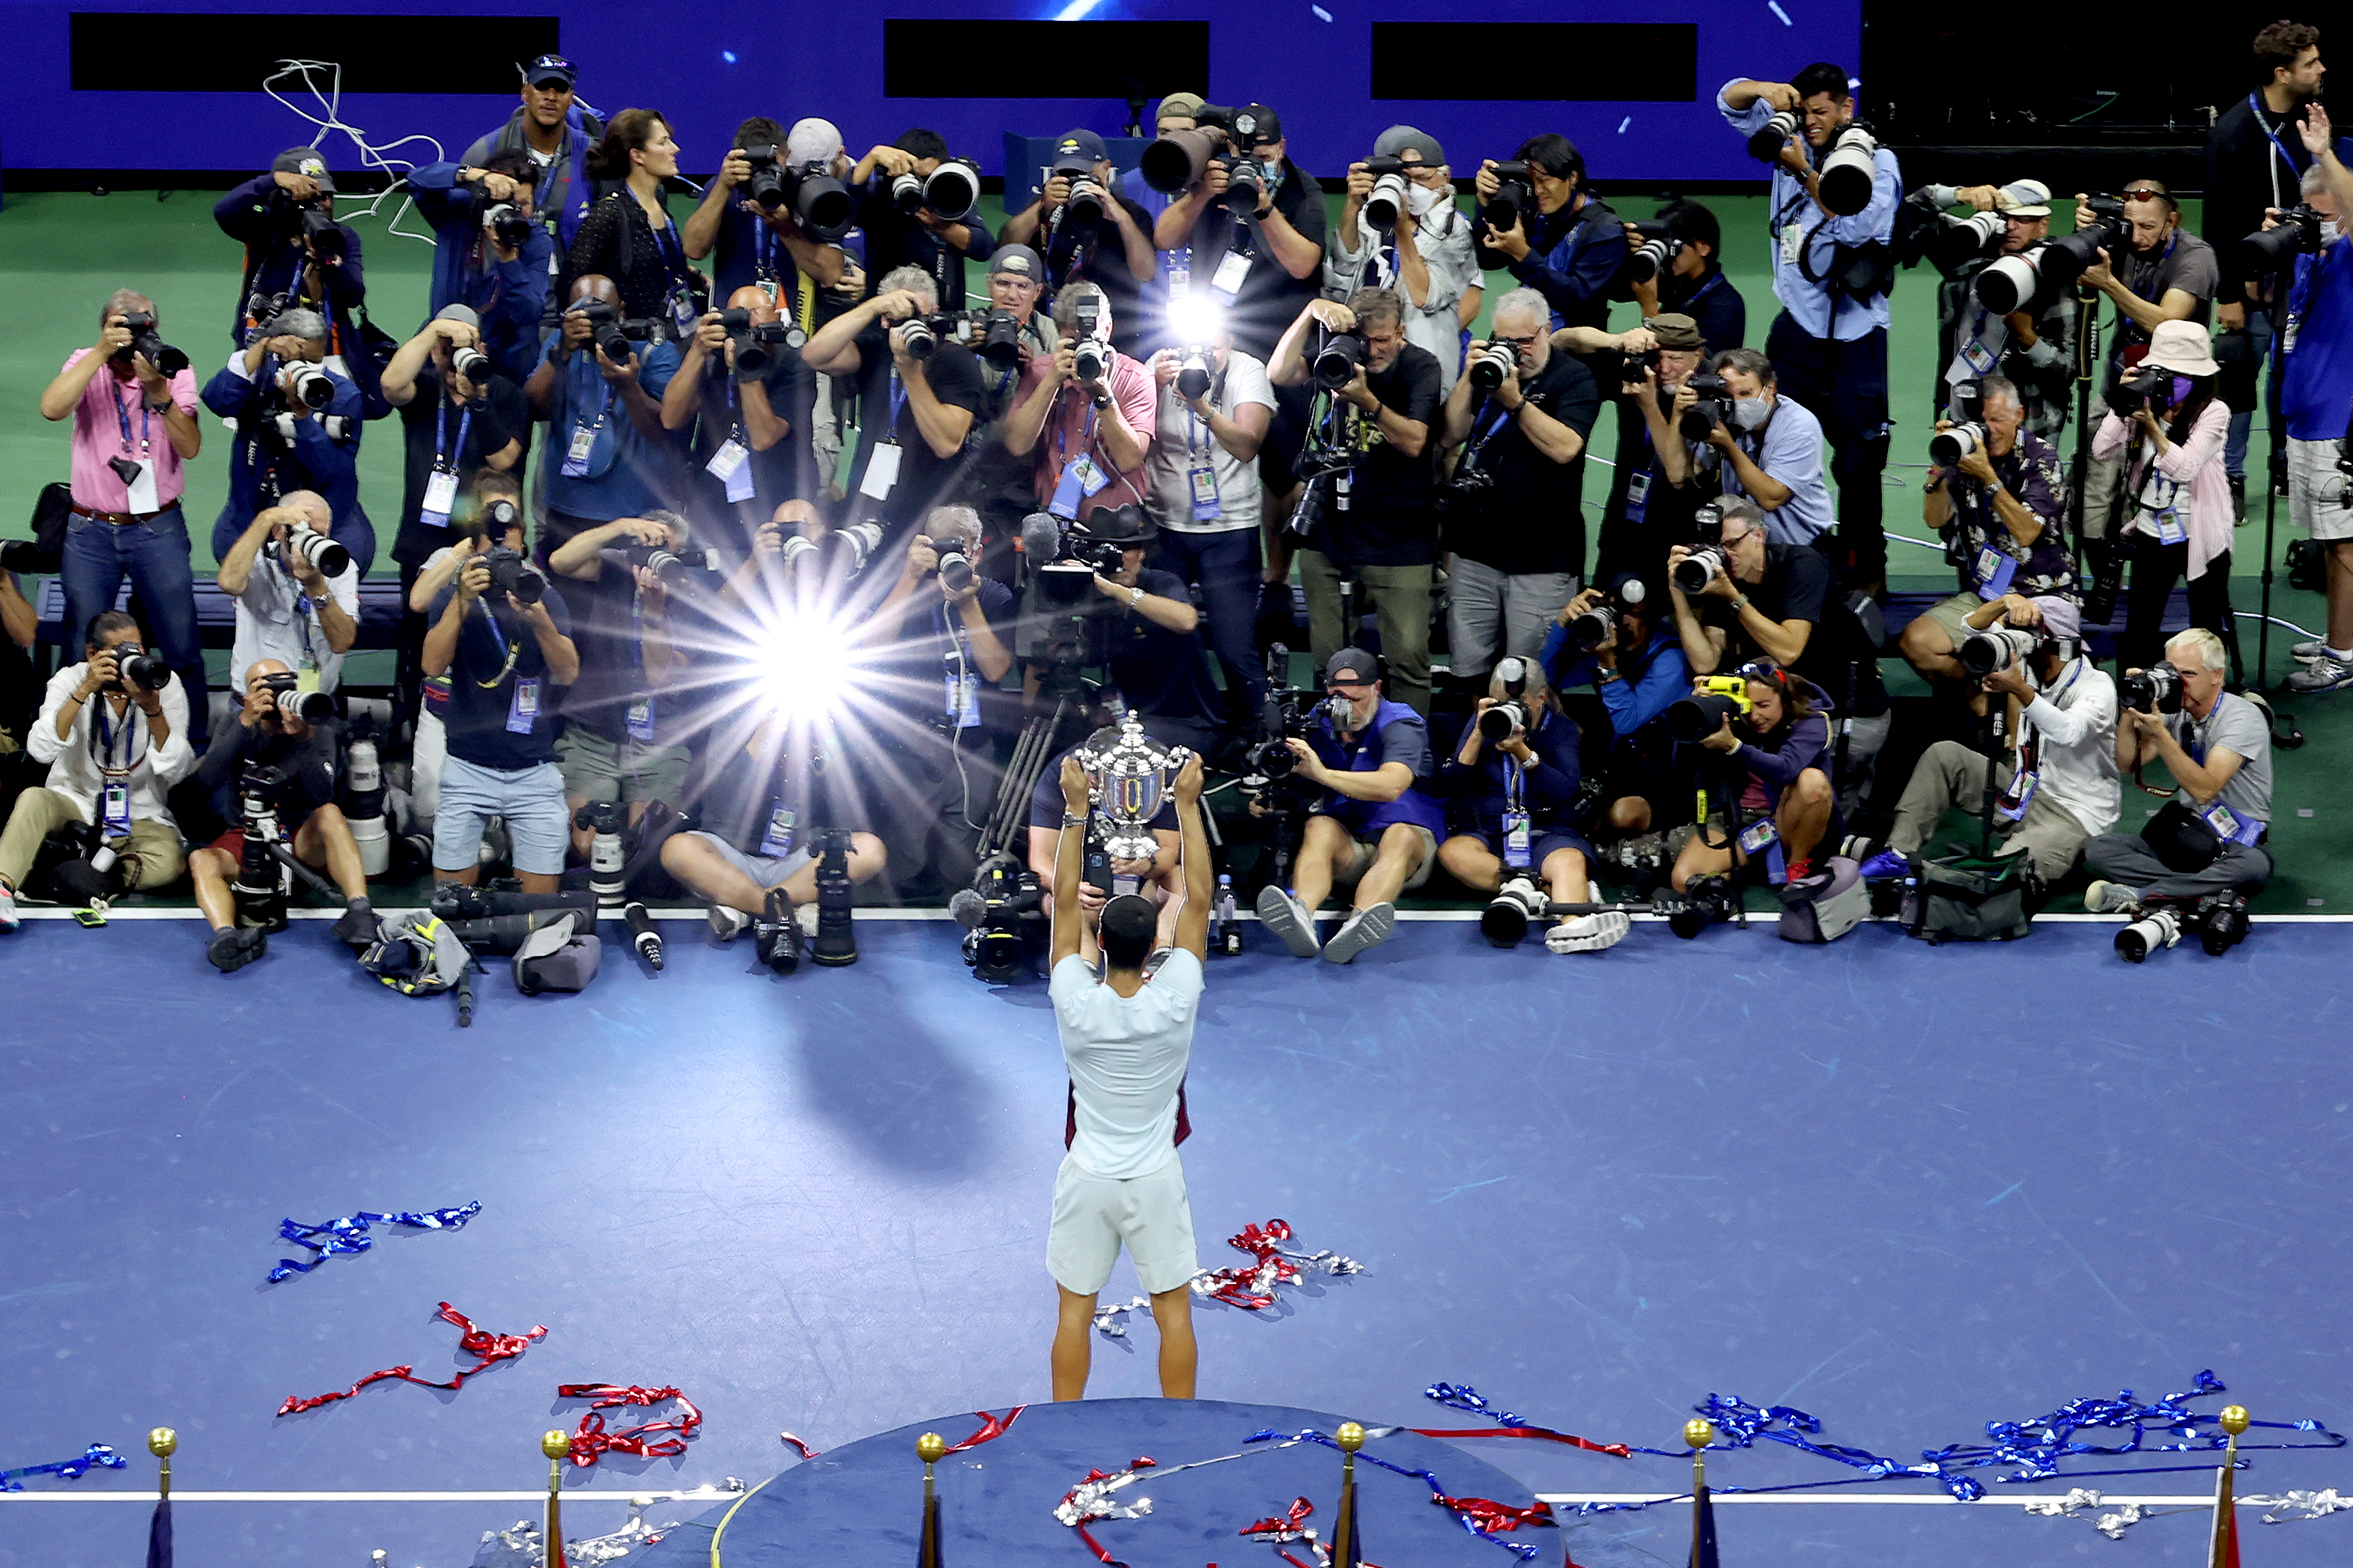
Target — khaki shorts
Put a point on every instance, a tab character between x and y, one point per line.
1369	850
1094	1215
625	770
2316	491
1953	615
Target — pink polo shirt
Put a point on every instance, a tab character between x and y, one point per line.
98	429
1070	428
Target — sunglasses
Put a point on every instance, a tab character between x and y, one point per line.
2147	194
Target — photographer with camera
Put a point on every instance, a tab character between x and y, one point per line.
134	427
920	394
624	723
2171	450
739	381
306	757
1089	419
1401	230
1515	778
110	768
496	514
298	428
2058	783
1382	419
1537	221
459	415
1248	228
1151	643
1771	446
1514	518
1997	498
1662	475
2034	349
1777	755
1000	484
911	219
289	609
1374	827
1693	284
2315	396
556	134
1614	637
2218	746
750	242
1835	192
1755	598
628	236
296	254
503	634
599	386
490	254
1088	231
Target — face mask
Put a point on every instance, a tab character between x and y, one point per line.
1274	172
1748	412
1419	199
2330	230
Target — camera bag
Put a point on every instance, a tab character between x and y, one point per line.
552	958
1825	906
1968	898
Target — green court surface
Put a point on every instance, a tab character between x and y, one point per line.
62	253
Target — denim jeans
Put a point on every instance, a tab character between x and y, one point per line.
2243	420
154	555
1227	566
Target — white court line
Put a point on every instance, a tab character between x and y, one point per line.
538	1496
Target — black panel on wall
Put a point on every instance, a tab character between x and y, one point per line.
198	52
1538	62
947	57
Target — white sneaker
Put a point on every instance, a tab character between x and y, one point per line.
2306	652
727	925
1589	933
1364	928
2110	898
1289	919
2325	673
7	910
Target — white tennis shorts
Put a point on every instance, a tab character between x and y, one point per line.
1096	1215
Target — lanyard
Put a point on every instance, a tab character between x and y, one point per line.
442	460
1062	435
2270	169
2199	729
604	404
122	417
103	752
1715	279
1497	417
1513	793
898	406
1193	433
507	654
955	645
764	250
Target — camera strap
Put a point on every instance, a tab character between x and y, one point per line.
101	738
122	417
509	651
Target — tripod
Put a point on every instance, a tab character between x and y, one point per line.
266	866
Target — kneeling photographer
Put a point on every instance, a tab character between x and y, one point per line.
109	769
1771	754
2057	785
1772	446
1614	636
298	428
297	593
1515	778
1374	827
2208	838
285	752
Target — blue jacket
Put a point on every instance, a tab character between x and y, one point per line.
566	191
1546	790
1634	700
511	297
323	457
1572	260
273	262
1370	819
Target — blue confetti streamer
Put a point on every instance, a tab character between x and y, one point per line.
1523	1551
348	1236
71	1469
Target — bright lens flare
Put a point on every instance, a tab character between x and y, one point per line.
811	664
1194	319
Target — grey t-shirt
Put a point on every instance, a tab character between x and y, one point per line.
2185	262
2233	725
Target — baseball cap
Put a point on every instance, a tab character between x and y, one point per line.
1352	666
1019	260
551	67
1675	331
1078	152
1263	124
2026	198
305	161
1119	525
812	141
1397	138
462	314
1187	104
2061	618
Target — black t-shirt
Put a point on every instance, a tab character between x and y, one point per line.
431	421
1632	543
605	630
309	765
477	714
1269	298
746	249
1533	518
925	478
1160	673
1389	521
1714	305
1798	585
1074	254
791	389
929	644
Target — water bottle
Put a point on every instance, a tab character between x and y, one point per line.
1228	937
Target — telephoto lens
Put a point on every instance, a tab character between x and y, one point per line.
1491	365
955	572
2016	282
1766	143
1698	716
2274	250
1849	170
1700	567
324	233
145	341
1337	360
1193	373
821	203
1998	647
953	190
510	573
470	362
313	385
2157	928
306	707
1504	721
907	193
1946	448
1388	197
1958	241
507	227
1505	919
921	342
765	187
1591	629
1711	406
1087	201
140	669
1243	186
669	566
1093	359
1653	255
327	557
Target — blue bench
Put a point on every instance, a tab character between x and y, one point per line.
379	630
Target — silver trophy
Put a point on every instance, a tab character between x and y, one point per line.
1128	778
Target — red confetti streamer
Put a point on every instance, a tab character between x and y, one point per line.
1494	1517
1588	1443
480	1342
1290	1526
803	1449
991	1428
592	1442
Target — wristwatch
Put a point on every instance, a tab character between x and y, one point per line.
1605	674
1739	601
1136	597
1074	818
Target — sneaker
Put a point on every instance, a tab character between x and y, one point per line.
1289	919
356	928
1798	871
1589	933
234	947
2238	500
2110	898
1364	928
2325	673
7	910
727	925
2306	652
1885	865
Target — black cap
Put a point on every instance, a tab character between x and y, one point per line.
1255	122
1119	525
1351	667
551	67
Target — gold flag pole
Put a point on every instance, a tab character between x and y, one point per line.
1698	1433
2222	1541
931	1447
162	1442
1344	1551
555	1444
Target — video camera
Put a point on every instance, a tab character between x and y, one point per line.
149	343
294	703
1721	699
757	343
820	203
950	191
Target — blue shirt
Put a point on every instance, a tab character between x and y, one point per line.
1790	450
1545	792
1398	734
2316	378
508	296
1633	700
1810	301
323	455
625	469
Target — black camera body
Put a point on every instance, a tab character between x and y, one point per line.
1515	200
2156	689
605	329
138	670
1338	357
316	228
1765	143
292	702
671	565
1651	252
513	573
509	229
1711	406
148	343
757	343
2274	250
2141	386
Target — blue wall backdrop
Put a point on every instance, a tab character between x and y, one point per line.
200	107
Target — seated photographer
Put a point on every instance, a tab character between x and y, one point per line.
1693	284
623	725
1386	538
751	858
491	252
1661	478
2315	389
1777	755
556	134
916	411
296	254
2218	746
110	768
1375	828
2035	350
1569	249
1262	256
308	760
457	416
1424	258
1514	518
2179	517
1772	447
737	415
2062	728
1086	230
1205	497
1161	879
1088	436
288	611
1518	792
896	237
298	428
751	244
608	455
1612	637
1760	598
503	634
2000	508
496	514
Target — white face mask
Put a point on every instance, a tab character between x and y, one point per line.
2330	229
1748	412
1419	199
